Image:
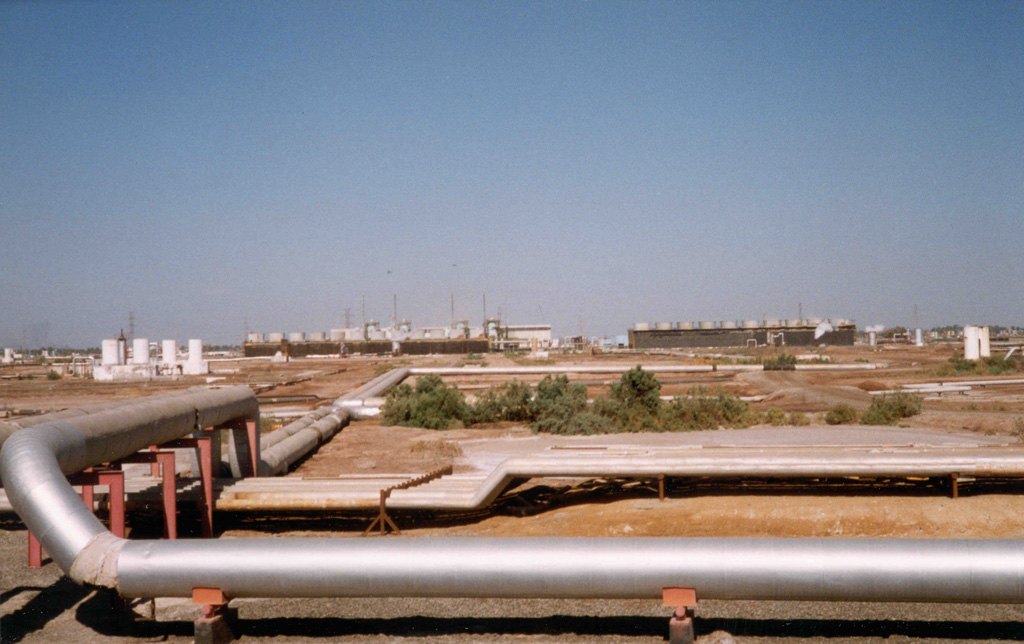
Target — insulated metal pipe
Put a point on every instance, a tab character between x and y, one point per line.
33	464
794	569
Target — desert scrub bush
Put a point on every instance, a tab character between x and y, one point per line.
1017	429
992	366
841	414
774	416
512	401
53	375
703	410
781	362
431	404
436	449
638	389
889	408
561	408
799	419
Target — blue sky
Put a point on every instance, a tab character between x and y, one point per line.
211	165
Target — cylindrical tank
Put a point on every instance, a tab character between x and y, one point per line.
8	355
337	334
972	343
296	336
686	326
169	352
918	338
253	336
275	337
405	326
706	324
663	326
140	351
770	323
372	325
792	322
642	326
984	348
750	324
872	338
111	355
813	321
729	324
318	336
195	350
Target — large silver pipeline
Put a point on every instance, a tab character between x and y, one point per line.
35	461
798	569
33	464
281	448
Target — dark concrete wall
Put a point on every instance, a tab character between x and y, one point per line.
372	347
706	338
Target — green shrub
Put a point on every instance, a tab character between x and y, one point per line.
781	362
774	416
431	405
512	401
841	414
638	389
53	375
799	419
991	366
701	410
887	409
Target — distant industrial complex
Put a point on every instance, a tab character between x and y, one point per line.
747	333
403	339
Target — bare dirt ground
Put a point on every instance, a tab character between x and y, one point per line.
42	606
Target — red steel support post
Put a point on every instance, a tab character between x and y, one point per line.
35	552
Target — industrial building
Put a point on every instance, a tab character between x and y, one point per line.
745	333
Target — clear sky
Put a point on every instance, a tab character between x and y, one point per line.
208	165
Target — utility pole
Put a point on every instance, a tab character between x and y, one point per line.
394	314
348	318
485	309
131	324
364	311
800	311
453	309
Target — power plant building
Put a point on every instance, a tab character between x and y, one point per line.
746	333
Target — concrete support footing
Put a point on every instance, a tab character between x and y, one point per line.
217	628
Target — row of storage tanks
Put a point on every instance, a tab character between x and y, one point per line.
736	324
335	335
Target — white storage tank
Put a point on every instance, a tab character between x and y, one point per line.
770	323
140	351
195	365
663	326
111	355
985	348
318	336
685	326
275	337
642	326
337	335
296	336
729	324
750	324
972	343
792	322
254	337
169	352
706	324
